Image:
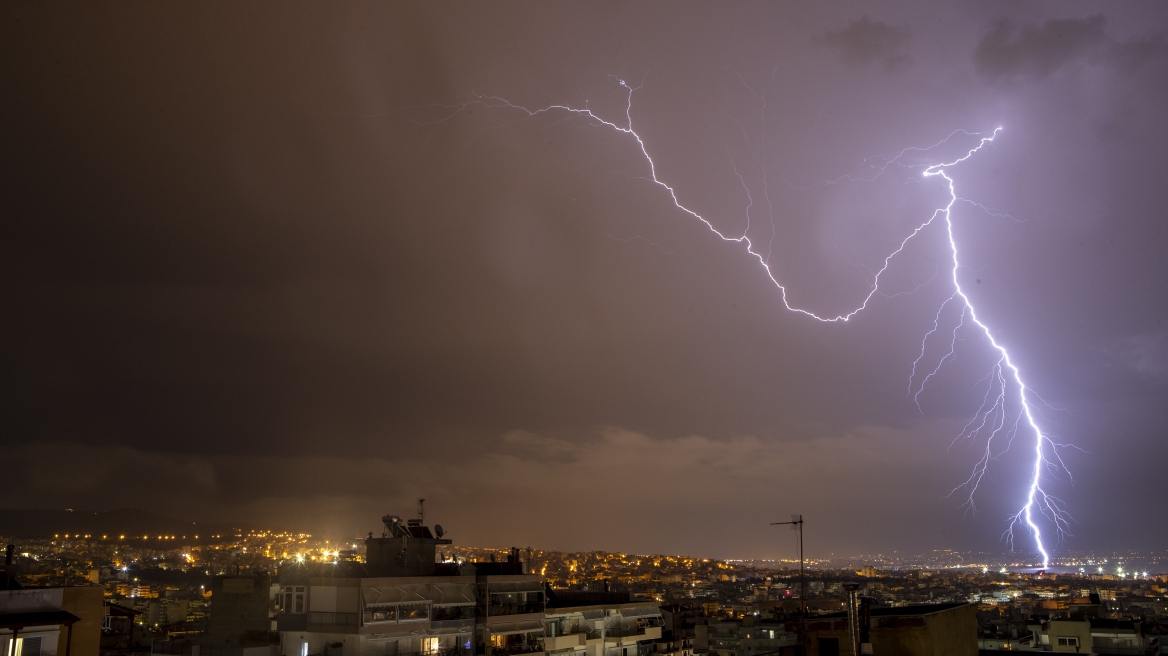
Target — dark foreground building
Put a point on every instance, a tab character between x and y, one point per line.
927	630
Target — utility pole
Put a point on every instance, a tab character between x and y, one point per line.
796	524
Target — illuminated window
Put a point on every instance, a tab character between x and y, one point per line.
413	612
380	614
419	612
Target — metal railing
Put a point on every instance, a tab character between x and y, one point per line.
624	631
459	626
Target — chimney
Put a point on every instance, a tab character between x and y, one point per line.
866	624
853	616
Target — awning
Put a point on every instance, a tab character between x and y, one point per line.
395	594
642	611
121	611
452	594
593	614
495	587
524	626
37	618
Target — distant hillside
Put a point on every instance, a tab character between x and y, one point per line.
42	524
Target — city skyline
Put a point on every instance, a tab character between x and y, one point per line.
175	541
312	265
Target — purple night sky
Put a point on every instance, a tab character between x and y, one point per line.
299	266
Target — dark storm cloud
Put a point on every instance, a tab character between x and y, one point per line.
1035	51
866	41
120	473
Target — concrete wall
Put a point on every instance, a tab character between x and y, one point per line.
240	605
1080	629
86	604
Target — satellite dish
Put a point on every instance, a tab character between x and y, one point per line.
439	531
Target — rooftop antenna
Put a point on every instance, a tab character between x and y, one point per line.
796	524
422	511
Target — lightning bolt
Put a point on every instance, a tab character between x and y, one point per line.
1007	407
1005	379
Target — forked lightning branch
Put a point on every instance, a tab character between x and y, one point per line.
1007	410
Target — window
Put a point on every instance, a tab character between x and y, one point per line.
413	612
417	612
1068	642
443	613
380	614
291	599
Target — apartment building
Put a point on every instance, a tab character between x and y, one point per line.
1090	635
745	637
50	621
602	624
408	600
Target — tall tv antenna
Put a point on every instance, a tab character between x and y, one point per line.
796	524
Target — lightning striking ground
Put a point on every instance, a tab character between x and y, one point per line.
1007	408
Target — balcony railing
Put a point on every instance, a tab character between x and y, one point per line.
625	631
292	621
459	626
332	619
